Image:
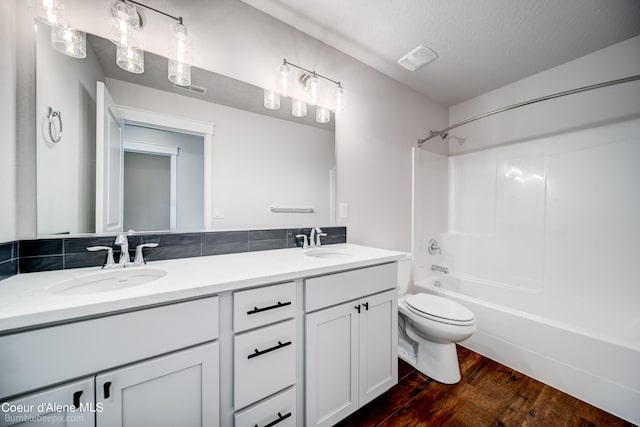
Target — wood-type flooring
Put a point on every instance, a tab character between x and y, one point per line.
489	394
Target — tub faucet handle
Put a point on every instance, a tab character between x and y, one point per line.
433	247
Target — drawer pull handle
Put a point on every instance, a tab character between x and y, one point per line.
366	305
271	307
107	389
357	307
76	399
280	418
269	350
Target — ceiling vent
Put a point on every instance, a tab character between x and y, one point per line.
417	58
193	88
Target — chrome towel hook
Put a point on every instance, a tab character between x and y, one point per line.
52	127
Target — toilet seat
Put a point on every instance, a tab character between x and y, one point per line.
439	309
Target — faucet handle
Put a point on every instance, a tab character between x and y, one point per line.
305	243
109	262
139	259
318	242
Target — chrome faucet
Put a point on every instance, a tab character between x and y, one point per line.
305	242
319	234
108	263
314	237
139	259
123	241
444	270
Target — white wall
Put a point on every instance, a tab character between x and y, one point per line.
373	138
8	159
66	170
257	161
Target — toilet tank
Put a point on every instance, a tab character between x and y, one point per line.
404	274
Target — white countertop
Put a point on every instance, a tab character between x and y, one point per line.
25	302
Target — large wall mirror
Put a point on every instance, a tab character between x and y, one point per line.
138	153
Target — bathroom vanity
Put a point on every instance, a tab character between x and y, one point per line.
260	338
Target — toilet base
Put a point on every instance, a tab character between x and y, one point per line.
438	361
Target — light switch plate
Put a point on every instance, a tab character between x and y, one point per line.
218	213
344	210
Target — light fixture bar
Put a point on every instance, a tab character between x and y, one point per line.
285	62
176	18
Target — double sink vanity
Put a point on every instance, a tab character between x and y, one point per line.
282	337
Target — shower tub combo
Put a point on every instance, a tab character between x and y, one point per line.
557	339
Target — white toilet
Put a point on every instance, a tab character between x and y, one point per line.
430	326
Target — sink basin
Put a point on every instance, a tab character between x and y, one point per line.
328	253
107	281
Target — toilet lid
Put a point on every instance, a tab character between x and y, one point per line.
433	305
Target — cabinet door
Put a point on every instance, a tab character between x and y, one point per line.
180	389
331	356
378	337
67	405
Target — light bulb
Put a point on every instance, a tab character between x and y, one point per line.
124	21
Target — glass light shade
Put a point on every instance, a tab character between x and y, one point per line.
130	59
69	41
298	108
340	100
323	115
47	11
124	21
179	73
271	100
179	55
312	85
284	80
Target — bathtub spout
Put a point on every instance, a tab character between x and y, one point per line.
444	270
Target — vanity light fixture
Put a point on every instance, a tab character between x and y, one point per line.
126	21
308	80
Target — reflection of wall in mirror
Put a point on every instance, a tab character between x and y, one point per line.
257	161
66	170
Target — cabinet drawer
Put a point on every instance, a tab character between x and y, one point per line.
278	410
264	362
35	359
332	289
263	306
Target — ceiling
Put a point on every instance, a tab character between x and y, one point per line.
482	44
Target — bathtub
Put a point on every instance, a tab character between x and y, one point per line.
590	350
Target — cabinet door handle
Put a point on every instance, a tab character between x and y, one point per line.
366	306
76	399
271	307
269	350
107	389
357	307
280	418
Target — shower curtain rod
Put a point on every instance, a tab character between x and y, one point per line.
444	132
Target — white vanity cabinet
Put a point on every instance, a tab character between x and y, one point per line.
265	355
155	366
66	405
351	347
180	389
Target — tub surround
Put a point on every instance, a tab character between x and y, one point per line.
25	303
27	256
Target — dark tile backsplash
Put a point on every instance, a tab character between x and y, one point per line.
26	256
